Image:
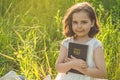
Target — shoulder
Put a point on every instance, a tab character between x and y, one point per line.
66	41
69	39
97	43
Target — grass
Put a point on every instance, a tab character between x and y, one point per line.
30	36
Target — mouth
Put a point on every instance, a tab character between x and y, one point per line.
80	31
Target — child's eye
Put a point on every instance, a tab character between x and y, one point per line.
74	22
84	22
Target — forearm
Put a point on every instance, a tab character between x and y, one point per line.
93	72
63	67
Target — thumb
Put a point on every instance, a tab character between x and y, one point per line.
73	57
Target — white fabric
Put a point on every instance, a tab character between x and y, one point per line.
92	44
48	77
10	76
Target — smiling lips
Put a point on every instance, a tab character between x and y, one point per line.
79	31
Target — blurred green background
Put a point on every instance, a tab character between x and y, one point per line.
31	32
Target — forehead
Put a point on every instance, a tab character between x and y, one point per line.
80	15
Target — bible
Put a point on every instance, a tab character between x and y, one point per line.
79	51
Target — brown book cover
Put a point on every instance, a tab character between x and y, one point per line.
78	51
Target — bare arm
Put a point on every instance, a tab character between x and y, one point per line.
60	65
100	69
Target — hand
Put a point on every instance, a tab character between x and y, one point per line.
78	63
67	59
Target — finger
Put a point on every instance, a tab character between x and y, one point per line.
73	57
84	69
83	66
67	59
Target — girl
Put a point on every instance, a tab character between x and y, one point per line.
80	26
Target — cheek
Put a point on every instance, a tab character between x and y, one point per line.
74	25
87	28
86	25
74	28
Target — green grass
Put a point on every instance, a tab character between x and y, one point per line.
31	32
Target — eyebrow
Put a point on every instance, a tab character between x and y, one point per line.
81	20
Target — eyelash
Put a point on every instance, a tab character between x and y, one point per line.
84	22
75	22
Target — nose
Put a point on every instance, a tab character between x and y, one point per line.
79	25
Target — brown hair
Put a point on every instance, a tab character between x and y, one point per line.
67	20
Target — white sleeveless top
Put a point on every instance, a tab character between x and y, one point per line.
92	45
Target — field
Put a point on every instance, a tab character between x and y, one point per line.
31	33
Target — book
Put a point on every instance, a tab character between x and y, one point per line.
79	51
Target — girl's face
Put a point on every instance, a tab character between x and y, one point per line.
81	24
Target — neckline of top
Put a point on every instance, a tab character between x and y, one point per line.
85	42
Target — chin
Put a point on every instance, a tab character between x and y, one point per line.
80	35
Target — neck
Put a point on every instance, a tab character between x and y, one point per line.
82	39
